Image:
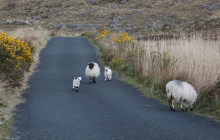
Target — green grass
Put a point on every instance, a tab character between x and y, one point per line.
5	129
2	104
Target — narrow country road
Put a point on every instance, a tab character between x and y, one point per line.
104	111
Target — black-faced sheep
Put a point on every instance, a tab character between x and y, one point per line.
181	92
92	71
76	83
108	73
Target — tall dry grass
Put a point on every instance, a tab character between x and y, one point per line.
192	59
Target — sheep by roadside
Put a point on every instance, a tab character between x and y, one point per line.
181	92
92	71
108	74
76	83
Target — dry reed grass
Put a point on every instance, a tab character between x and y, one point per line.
192	59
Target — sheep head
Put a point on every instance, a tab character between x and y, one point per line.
106	68
78	78
91	65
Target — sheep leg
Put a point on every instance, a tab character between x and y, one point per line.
93	80
90	81
171	103
186	105
181	106
105	78
76	88
191	107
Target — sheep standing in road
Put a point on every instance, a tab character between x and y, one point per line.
181	92
108	74
76	83
92	71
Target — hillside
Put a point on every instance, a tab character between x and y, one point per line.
137	16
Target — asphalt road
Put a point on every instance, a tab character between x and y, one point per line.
103	111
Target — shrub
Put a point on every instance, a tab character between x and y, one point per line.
117	63
15	56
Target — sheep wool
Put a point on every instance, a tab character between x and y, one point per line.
181	92
108	74
92	71
76	83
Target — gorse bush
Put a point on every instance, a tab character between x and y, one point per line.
104	33
123	38
118	38
15	56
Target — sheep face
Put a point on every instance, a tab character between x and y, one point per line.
78	79
91	65
106	69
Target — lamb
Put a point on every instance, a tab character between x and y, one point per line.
108	74
92	71
181	92
76	83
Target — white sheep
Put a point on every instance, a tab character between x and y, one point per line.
108	74
181	92
92	71
76	83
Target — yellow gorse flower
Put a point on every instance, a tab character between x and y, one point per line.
122	38
15	50
104	33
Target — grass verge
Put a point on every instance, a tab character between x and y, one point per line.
5	129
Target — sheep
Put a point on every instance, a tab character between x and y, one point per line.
108	74
76	83
181	92
92	71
